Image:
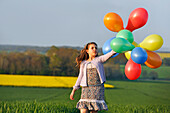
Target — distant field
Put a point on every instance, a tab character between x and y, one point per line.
127	97
163	71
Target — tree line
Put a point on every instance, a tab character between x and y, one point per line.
55	62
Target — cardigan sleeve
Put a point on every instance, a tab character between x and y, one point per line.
77	84
105	57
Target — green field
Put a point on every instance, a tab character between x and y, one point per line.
126	97
163	71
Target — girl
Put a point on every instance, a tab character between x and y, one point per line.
91	78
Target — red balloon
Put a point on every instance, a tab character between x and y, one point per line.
137	19
132	70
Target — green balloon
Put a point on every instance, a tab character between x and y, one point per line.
121	45
126	34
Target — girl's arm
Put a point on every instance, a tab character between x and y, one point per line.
77	85
105	57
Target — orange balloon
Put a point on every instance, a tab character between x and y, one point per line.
113	22
154	60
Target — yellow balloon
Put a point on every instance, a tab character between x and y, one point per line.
128	53
152	42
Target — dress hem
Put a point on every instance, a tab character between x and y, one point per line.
95	105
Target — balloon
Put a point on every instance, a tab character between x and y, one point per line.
132	70
121	45
137	19
126	34
128	53
113	22
139	55
135	44
106	47
152	42
154	60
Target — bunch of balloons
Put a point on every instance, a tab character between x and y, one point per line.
136	54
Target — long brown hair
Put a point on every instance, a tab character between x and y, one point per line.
83	54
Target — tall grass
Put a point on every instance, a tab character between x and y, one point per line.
34	107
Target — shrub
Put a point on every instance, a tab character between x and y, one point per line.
153	75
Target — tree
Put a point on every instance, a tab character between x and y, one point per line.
62	61
112	71
144	74
153	75
166	61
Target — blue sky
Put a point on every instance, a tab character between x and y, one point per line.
76	22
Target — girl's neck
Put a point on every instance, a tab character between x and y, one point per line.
90	59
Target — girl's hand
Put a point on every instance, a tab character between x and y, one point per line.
72	94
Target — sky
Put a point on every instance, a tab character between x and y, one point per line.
76	22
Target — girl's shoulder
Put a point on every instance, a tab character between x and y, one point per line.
83	62
97	57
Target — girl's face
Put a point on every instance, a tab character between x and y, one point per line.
92	50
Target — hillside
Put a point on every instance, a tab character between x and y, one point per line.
17	48
43	50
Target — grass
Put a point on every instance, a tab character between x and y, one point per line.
139	92
127	97
34	107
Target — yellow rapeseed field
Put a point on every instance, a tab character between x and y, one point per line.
39	81
164	55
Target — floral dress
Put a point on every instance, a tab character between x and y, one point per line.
92	96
